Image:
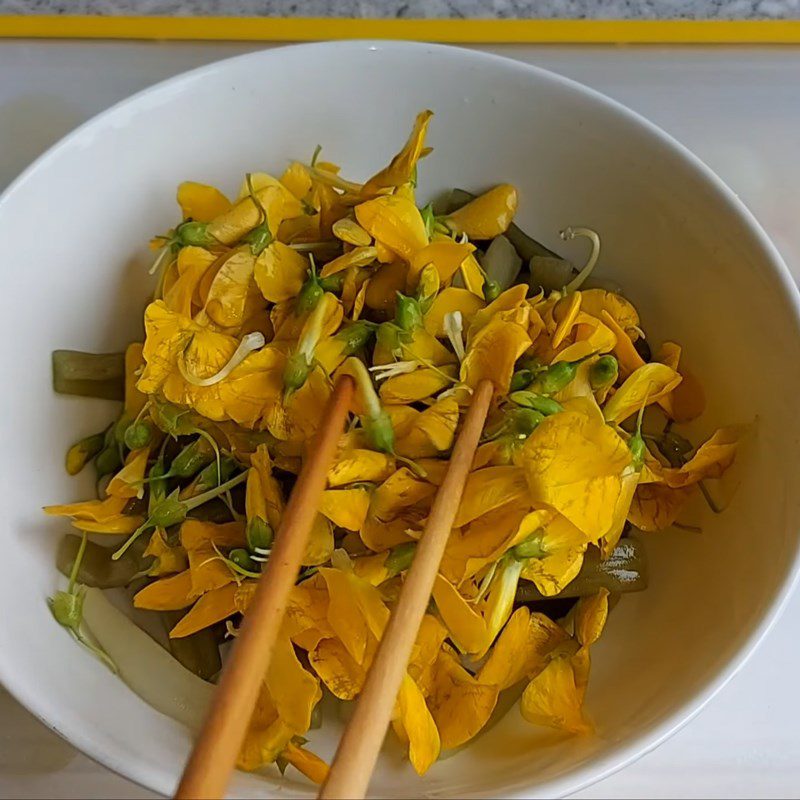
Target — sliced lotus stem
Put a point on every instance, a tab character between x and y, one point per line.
571	233
454	328
251	342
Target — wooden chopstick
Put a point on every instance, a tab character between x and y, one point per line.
359	746
214	755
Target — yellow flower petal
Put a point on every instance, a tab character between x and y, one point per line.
294	690
357	257
212	607
345	508
280	272
655	506
385	283
337	669
565	313
401	168
488	215
687	401
169	559
432	433
119	525
357	465
320	543
447	301
574	462
459	703
553	699
417	385
394	221
416	726
591	614
260	181
563	547
648	384
312	766
466	625
201	202
596	301
90	510
264	497
445	254
227	228
127	483
490	488
493	352
166	594
510	300
522	648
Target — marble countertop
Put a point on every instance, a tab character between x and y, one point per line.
440	9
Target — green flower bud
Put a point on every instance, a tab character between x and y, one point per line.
242	559
259	534
408	314
400	558
138	435
544	405
295	372
491	290
521	379
603	372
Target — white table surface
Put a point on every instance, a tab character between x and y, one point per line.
739	110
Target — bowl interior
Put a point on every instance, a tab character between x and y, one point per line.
700	271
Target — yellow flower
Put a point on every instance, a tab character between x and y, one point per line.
128	482
417	385
311	765
596	301
565	314
134	362
510	300
414	723
554	697
401	168
357	257
227	228
212	607
459	703
193	263
563	547
493	352
448	301
345	508
446	255
168	559
590	336
488	215
648	384
385	283
574	462
337	669
522	648
259	181
395	222
358	465
483	541
490	488
430	432
201	202
233	297
107	510
656	506
166	594
207	569
263	498
280	272
687	401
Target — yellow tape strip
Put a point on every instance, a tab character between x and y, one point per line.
475	31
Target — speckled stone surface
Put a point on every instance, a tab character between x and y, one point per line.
501	9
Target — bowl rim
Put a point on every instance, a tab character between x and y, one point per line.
622	754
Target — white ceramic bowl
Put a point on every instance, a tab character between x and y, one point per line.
74	229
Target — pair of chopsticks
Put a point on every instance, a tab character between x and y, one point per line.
214	756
